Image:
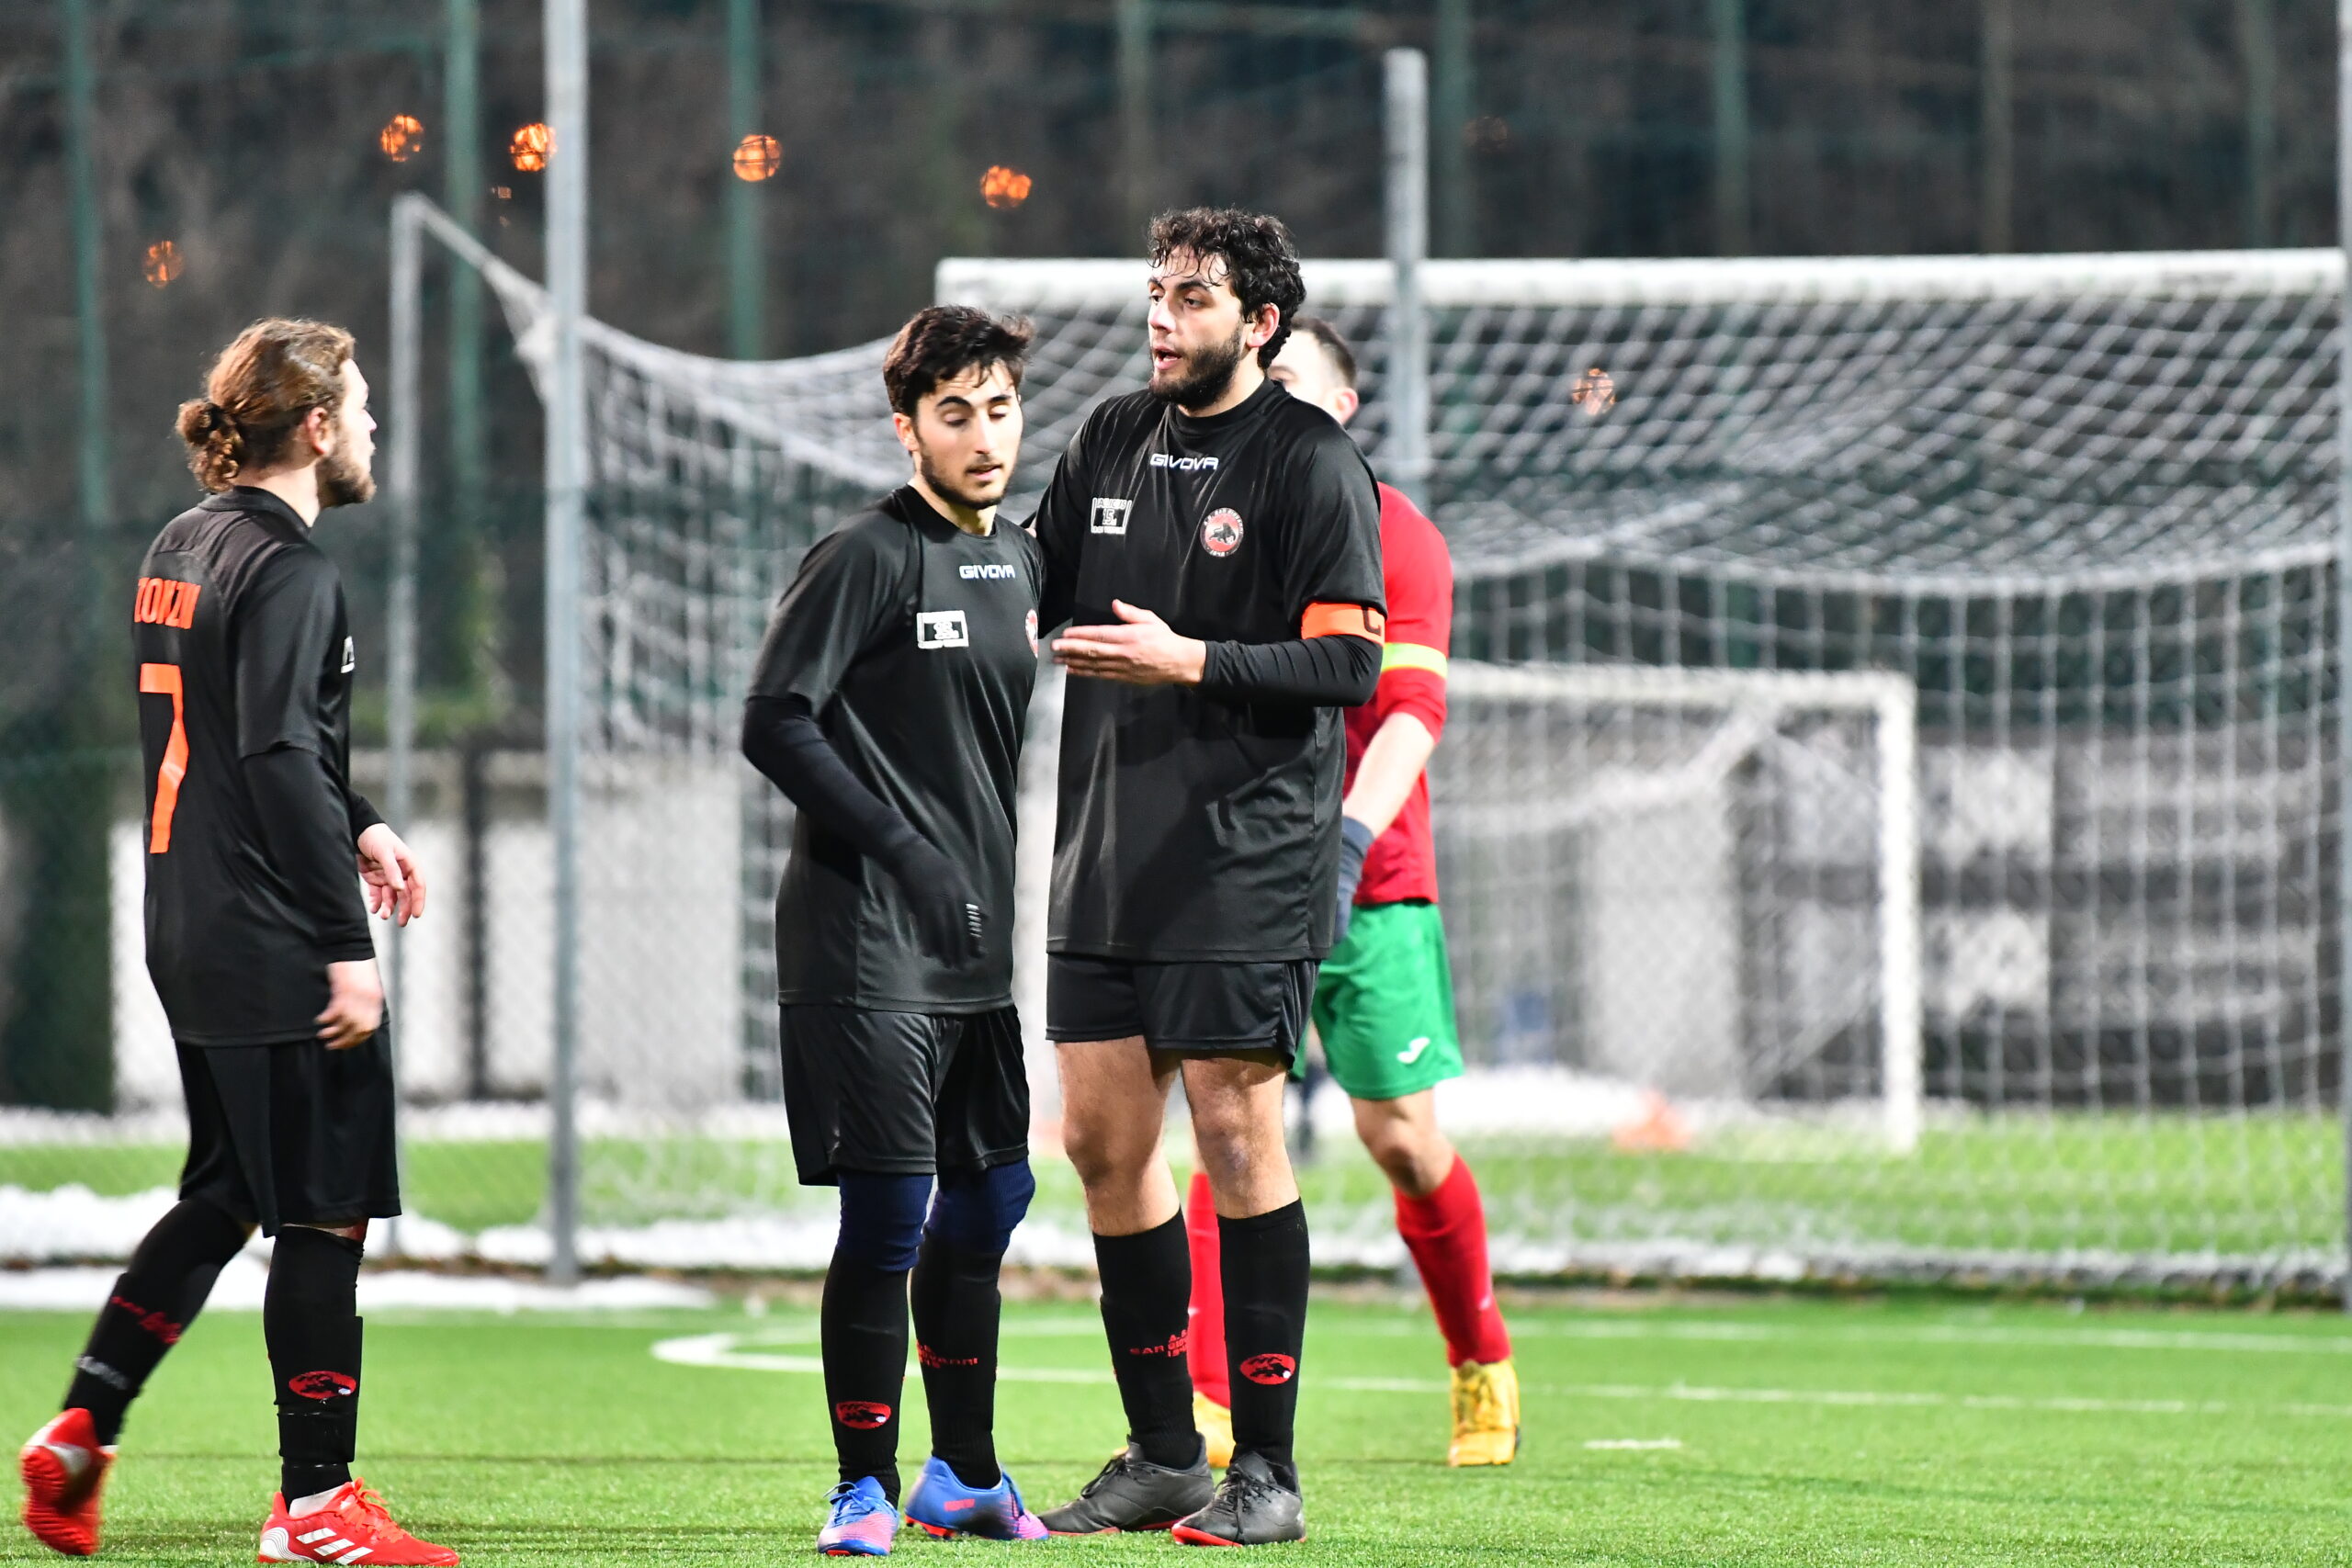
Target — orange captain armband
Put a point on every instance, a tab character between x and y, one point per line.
1343	620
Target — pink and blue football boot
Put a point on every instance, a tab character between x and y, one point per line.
946	1507
862	1524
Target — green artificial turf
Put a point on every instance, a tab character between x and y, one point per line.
1809	1432
2177	1186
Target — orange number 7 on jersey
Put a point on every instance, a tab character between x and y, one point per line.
166	678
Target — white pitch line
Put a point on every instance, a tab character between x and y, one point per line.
2055	1339
726	1350
1631	1445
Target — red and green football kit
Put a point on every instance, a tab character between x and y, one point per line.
1383	1004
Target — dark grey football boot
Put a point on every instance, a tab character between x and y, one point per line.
1133	1493
1252	1507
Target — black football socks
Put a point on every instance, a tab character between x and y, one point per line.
957	1302
1147	1291
309	1318
1265	1327
152	1304
864	1320
957	1305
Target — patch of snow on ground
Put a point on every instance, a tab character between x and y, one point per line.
242	1283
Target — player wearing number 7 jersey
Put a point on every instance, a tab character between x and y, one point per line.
257	942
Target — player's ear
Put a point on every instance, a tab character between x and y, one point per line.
1262	325
1344	403
905	426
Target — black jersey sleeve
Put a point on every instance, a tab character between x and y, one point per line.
1059	525
1322	671
1332	557
278	641
846	595
783	739
359	811
303	826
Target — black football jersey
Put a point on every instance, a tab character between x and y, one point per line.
1194	828
915	645
242	647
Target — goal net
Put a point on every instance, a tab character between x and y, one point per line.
1887	819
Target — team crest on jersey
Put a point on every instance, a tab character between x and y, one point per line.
940	628
1029	625
1221	532
1110	514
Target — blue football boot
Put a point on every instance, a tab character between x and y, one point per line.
945	1506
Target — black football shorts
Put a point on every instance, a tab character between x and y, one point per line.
903	1093
291	1135
1195	1010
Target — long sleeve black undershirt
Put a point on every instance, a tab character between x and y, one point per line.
361	812
782	739
306	828
1326	672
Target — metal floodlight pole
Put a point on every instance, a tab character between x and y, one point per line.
1405	446
89	304
2344	612
1133	22
400	617
746	249
567	420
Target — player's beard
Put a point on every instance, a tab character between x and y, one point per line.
342	482
1203	374
951	486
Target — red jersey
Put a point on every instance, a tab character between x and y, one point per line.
1417	572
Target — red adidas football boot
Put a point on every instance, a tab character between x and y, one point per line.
65	1470
351	1527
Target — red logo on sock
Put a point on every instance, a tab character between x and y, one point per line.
931	1357
154	1323
1270	1368
323	1386
1178	1343
863	1414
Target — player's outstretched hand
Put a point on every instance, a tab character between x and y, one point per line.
354	1004
395	884
1142	651
948	918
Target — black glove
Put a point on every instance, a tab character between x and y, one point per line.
1355	843
947	908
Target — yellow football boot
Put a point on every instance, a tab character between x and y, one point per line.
1486	1415
1216	1423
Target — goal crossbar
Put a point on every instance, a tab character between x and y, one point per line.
1087	284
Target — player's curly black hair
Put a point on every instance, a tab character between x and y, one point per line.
1260	260
939	343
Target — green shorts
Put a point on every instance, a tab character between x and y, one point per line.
1383	1005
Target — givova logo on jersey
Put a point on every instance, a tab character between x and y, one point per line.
940	628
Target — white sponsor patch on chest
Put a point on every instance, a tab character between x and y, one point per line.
1110	514
940	628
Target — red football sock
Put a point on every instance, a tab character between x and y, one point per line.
1446	1233
1206	1335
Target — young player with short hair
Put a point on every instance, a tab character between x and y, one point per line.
1215	544
889	703
1383	1004
257	943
